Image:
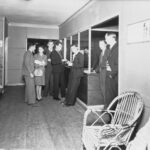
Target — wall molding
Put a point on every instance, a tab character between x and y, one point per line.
88	4
33	25
15	84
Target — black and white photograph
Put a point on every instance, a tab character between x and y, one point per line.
74	75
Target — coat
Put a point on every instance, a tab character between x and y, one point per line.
113	61
56	61
28	64
78	65
49	65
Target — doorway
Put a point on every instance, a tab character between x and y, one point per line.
38	42
98	33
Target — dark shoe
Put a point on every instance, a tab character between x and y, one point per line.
67	105
56	98
39	99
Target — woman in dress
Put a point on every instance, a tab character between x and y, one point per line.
40	61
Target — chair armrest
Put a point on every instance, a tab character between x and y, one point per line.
90	109
95	107
99	116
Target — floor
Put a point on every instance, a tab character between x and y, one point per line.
47	127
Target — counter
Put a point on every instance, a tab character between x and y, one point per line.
89	88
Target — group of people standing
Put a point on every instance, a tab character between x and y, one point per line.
108	67
46	71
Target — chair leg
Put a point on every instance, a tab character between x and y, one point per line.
84	147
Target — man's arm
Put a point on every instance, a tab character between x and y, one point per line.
29	64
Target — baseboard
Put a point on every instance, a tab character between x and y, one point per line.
15	84
84	106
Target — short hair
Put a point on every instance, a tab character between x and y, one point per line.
50	41
102	41
112	34
57	42
30	45
40	46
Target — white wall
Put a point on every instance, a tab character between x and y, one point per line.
134	59
95	13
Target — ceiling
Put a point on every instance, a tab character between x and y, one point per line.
39	12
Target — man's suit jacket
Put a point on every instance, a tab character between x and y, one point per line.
49	65
56	61
102	61
113	61
95	59
78	65
28	64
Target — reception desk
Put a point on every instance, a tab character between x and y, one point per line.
89	89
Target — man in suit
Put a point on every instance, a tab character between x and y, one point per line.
102	66
28	73
75	75
111	68
58	71
95	59
48	89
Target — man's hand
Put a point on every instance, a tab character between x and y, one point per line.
43	63
110	76
108	66
69	63
37	62
49	60
31	75
94	71
63	60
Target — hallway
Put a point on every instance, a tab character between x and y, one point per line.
47	127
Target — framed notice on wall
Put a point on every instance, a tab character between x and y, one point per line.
139	32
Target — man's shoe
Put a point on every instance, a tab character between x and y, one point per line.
39	99
56	98
67	105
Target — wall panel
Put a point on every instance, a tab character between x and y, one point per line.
17	46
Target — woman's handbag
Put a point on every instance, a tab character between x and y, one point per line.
38	72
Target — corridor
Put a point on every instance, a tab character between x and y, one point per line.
47	127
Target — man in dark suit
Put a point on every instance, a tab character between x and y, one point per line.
28	74
48	89
111	68
75	75
58	71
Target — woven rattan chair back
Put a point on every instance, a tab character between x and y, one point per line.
129	106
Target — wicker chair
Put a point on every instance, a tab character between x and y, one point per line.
124	112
